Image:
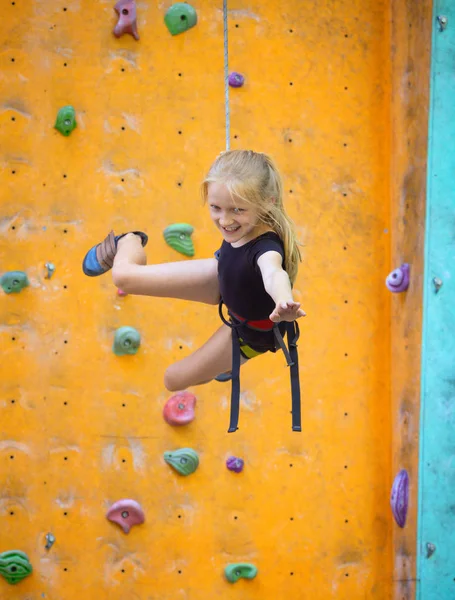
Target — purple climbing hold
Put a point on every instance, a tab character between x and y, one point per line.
236	79
399	497
126	513
126	10
235	464
398	280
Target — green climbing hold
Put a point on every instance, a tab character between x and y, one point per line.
185	460
178	236
13	282
180	17
66	120
127	341
236	571
14	566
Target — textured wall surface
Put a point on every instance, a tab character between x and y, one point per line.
80	427
436	536
410	51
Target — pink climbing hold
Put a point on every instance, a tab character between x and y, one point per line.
179	409
127	18
126	513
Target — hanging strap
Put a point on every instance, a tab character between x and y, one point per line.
235	379
279	339
292	359
235	383
293	336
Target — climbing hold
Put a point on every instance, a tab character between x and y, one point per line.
185	460
398	280
442	22
50	541
126	10
178	237
437	284
121	293
126	513
236	571
50	270
14	566
236	79
235	464
13	282
179	409
431	549
180	17
66	120
127	341
399	497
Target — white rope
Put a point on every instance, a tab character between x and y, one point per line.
226	77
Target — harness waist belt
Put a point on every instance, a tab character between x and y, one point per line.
262	324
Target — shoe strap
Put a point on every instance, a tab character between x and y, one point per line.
106	251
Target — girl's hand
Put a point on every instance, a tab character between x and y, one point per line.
287	311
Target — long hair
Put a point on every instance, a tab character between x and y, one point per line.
254	177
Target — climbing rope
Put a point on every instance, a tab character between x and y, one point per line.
226	77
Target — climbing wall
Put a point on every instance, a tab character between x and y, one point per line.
412	25
81	427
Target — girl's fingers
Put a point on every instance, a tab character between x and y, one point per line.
287	311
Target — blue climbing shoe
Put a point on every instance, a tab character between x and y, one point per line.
100	258
224	377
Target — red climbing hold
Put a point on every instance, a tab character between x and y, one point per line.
127	18
179	409
126	513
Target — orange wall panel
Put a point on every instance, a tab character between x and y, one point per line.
311	509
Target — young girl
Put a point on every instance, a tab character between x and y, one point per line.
252	274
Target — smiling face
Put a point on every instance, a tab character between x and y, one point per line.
237	220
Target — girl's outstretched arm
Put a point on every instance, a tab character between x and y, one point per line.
277	285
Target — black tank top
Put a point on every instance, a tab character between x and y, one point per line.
241	285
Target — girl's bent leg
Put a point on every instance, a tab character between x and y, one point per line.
195	280
213	358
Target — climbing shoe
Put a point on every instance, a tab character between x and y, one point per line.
100	258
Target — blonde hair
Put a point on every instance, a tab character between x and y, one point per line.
254	177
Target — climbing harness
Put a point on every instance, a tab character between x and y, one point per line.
291	354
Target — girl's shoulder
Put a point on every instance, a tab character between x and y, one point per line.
267	238
268	241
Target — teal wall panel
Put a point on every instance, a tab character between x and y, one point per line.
436	522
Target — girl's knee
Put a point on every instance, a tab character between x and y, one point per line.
172	380
119	276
